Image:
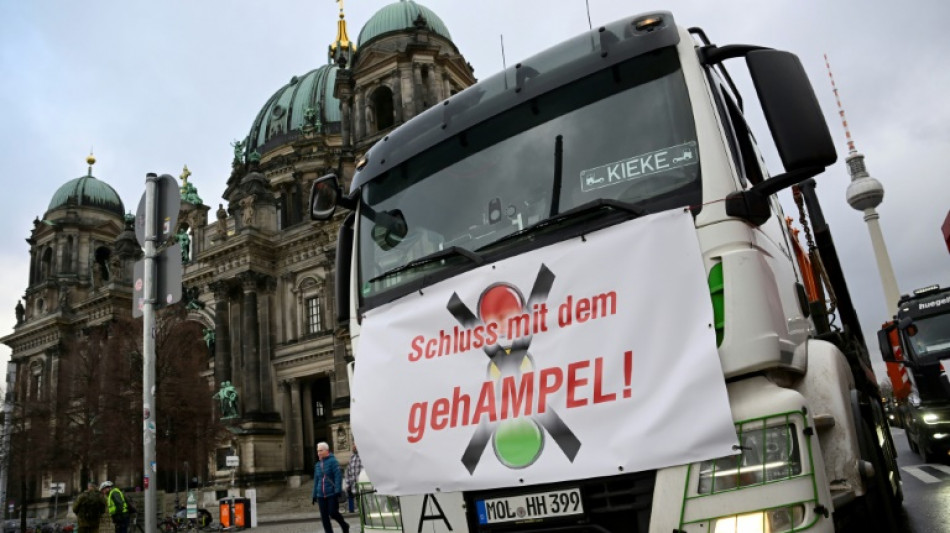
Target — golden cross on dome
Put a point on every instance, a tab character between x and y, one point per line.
184	175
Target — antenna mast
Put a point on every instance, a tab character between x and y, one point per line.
504	66
844	121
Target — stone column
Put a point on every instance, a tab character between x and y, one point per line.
295	424
434	87
359	122
397	97
51	375
59	262
297	313
33	269
284	409
269	285
418	90
250	342
347	120
369	115
284	300
222	333
306	404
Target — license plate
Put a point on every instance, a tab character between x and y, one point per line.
530	506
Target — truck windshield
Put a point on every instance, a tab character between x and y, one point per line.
932	340
625	134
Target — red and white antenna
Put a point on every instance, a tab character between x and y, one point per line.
844	121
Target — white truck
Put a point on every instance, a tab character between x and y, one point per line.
576	305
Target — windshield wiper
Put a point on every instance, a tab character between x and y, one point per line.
571	214
431	258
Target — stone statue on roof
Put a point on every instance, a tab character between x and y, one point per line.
222	215
185	241
189	193
238	151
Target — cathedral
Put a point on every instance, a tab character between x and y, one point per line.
258	274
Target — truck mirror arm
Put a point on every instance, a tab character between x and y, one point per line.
711	55
752	204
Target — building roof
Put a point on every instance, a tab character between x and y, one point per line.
305	102
87	191
400	16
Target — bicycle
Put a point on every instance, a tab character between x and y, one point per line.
180	521
165	525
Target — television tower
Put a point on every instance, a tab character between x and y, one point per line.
865	194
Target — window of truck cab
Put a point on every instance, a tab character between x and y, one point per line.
930	337
624	133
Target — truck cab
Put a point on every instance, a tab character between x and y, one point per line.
922	329
575	304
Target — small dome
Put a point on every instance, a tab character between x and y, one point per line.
400	16
87	191
306	102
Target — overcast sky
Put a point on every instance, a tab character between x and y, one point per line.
152	86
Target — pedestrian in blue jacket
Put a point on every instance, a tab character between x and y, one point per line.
328	488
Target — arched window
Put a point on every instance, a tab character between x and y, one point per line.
383	107
102	263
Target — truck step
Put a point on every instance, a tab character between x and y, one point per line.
824	421
841	493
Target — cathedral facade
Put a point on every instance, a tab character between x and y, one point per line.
258	274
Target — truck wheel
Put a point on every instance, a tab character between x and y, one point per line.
881	508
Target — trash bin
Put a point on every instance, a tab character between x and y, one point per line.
234	513
242	512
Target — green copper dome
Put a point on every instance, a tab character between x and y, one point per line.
87	191
400	16
305	104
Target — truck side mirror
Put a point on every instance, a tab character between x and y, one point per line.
884	344
794	117
325	195
795	120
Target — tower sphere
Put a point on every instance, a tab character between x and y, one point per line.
865	193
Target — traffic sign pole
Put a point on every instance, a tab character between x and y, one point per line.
156	272
148	347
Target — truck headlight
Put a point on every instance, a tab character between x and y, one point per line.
768	454
769	521
931	418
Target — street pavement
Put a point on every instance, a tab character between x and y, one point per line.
292	511
301	523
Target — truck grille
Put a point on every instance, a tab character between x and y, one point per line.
612	504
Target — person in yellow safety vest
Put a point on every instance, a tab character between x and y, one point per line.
119	508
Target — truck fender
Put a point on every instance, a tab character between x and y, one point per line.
827	384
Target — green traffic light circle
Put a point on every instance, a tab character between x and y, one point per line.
518	443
